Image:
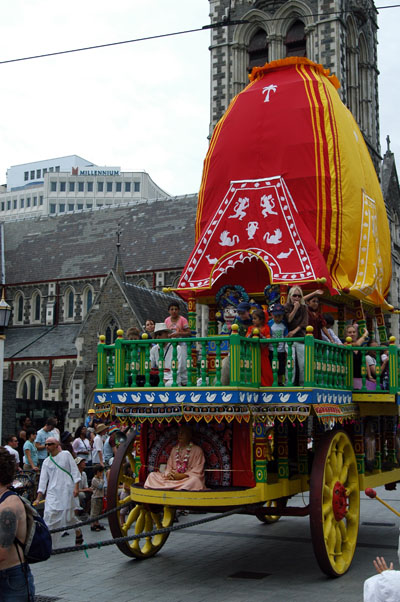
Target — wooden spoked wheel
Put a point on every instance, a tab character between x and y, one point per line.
334	503
137	518
271	518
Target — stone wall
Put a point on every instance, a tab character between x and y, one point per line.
9	408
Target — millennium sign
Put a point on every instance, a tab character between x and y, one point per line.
99	171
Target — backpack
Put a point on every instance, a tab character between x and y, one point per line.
37	546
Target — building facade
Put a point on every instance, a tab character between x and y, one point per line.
66	288
59	247
341	35
69	184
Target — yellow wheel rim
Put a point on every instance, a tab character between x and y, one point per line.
140	518
143	519
335	503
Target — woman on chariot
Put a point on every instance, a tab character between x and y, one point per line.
258	318
185	466
356	341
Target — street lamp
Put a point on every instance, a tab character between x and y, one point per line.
5	313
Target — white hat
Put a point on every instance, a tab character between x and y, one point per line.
160	327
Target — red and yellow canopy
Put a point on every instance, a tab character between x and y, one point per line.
289	193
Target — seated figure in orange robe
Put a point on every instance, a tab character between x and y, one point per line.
185	466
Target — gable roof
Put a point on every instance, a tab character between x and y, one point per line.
156	235
41	341
150	305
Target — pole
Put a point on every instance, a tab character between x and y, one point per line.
2	339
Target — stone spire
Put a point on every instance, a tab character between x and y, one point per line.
118	265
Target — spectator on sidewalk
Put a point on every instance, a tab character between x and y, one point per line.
85	492
25	422
66	443
110	448
98	444
59	481
12	447
31	454
49	430
81	445
96	504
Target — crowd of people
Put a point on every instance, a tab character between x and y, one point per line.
290	321
69	471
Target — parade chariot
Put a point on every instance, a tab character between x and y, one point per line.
289	195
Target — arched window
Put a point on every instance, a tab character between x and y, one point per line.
18	313
365	94
111	331
30	387
295	40
143	282
258	49
352	88
36	307
87	299
69	304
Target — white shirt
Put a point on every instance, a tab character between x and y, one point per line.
97	447
82	445
13	452
383	587
59	485
168	354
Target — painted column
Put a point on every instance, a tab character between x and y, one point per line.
282	449
358	441
212	332
101	363
260	457
380	322
362	323
341	322
302	456
119	367
192	352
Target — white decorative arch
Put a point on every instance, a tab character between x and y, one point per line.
242	35
38	385
143	282
108	326
257	19
291	12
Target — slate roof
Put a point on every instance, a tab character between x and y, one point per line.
157	235
41	341
149	304
390	183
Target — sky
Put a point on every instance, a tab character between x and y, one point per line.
142	106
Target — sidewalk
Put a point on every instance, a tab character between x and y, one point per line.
276	563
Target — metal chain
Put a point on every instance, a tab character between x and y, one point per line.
164	530
91	520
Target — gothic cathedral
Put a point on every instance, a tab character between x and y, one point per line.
339	34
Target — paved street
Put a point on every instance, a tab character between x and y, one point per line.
199	564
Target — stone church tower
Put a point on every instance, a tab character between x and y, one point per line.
339	34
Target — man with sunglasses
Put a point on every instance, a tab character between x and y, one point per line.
59	480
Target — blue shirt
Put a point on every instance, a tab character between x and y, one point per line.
34	453
41	437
